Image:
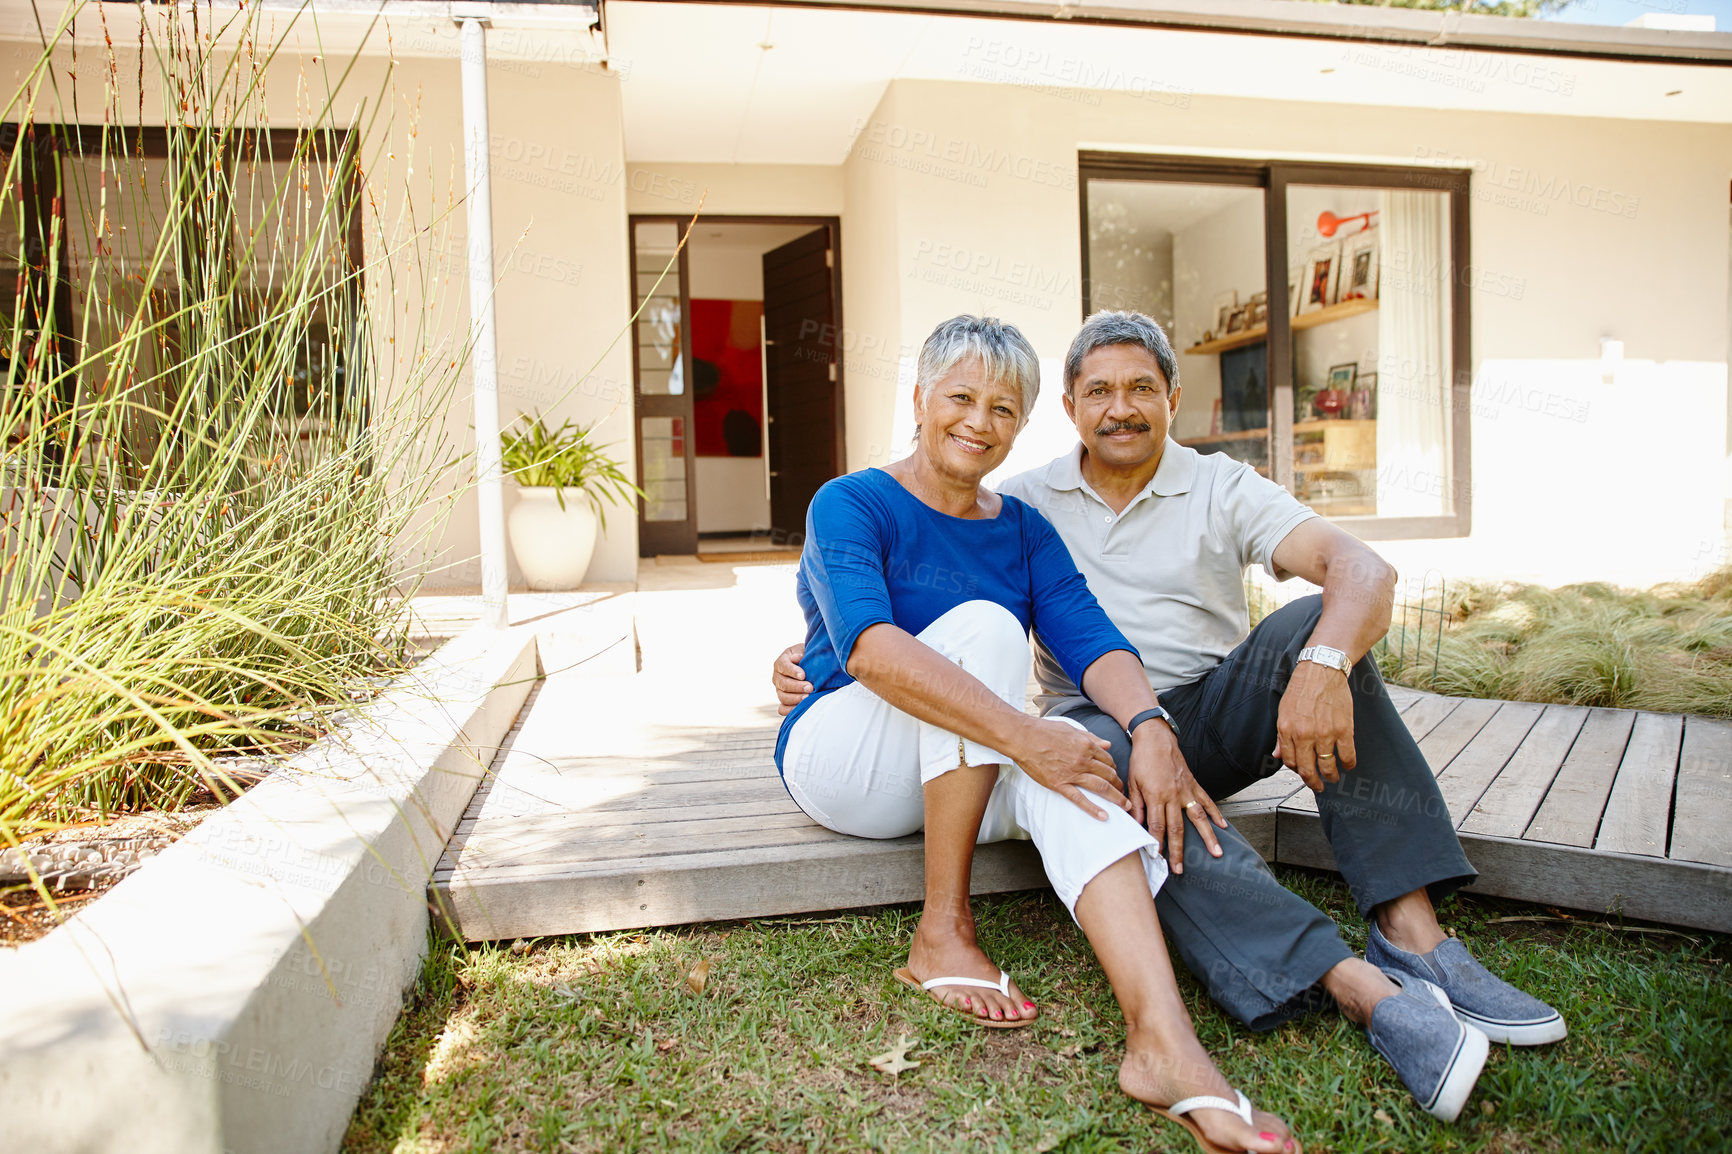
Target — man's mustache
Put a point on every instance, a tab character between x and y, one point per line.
1112	427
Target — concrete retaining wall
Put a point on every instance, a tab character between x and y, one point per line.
234	995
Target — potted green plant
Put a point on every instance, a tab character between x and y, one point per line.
565	480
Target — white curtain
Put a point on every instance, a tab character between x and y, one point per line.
1413	371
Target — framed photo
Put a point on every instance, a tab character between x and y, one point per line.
1363	404
1322	276
1258	310
1343	376
1225	303
1359	257
1236	322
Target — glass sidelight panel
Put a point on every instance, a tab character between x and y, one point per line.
663	441
660	366
1191	256
1369	278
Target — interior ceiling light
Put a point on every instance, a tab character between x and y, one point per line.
1676	92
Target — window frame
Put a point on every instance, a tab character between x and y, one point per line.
1274	177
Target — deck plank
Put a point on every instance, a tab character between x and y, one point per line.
1639	808
1570	813
1508	804
1484	757
1442	741
1427	713
1702	823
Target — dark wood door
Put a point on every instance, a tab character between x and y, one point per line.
803	376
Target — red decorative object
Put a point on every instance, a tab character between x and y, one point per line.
1329	222
1330	402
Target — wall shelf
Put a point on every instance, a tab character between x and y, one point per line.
1322	316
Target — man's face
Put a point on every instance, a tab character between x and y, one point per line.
1121	406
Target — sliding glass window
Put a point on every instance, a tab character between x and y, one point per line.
1319	318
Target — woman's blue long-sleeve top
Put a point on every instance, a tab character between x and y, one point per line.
876	553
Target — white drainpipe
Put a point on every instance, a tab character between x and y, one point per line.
489	469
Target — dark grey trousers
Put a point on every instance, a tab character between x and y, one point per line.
1258	947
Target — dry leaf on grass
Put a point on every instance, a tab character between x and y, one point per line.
1382	1116
699	977
667	1044
895	1060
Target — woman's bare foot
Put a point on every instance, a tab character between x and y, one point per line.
944	947
1163	1071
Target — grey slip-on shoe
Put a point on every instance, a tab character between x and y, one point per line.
1479	997
1437	1056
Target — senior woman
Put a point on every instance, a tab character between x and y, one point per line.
919	586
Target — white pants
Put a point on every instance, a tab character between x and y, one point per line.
857	764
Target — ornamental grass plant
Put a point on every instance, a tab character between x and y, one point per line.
1666	649
220	426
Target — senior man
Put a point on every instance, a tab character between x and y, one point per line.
1164	534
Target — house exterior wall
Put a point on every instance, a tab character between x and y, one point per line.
1580	229
735	189
559	229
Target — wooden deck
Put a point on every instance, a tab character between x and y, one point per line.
603	813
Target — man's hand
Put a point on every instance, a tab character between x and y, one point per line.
1164	794
1315	725
1068	759
789	679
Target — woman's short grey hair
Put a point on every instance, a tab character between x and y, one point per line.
1121	328
1002	350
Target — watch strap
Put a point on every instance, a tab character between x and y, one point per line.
1146	714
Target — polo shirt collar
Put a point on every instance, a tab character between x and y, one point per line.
1176	473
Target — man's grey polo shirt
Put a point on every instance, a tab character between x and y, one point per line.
1170	569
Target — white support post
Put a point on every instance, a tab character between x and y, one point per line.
489	469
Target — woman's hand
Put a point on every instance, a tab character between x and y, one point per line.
1068	759
789	679
1164	794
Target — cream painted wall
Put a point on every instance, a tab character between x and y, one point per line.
1572	222
876	354
741	189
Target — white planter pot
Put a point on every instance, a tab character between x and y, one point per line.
553	545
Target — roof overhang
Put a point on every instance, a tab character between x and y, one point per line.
793	83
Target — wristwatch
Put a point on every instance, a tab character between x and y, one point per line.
1146	714
1324	655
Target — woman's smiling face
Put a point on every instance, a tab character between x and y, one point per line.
967	422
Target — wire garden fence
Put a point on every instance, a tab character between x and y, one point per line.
1410	652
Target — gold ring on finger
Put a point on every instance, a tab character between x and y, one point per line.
1190	805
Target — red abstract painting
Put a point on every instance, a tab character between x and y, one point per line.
727	378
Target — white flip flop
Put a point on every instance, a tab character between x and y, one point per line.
1002	986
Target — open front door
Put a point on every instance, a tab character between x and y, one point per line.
802	376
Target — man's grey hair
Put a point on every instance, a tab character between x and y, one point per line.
1002	350
1121	328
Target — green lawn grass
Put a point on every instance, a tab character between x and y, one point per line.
597	1043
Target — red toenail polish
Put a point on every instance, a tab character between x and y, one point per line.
1028	1005
1268	1137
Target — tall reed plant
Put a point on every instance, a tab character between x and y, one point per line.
220	426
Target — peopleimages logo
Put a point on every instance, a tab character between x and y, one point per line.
1543	187
966	156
